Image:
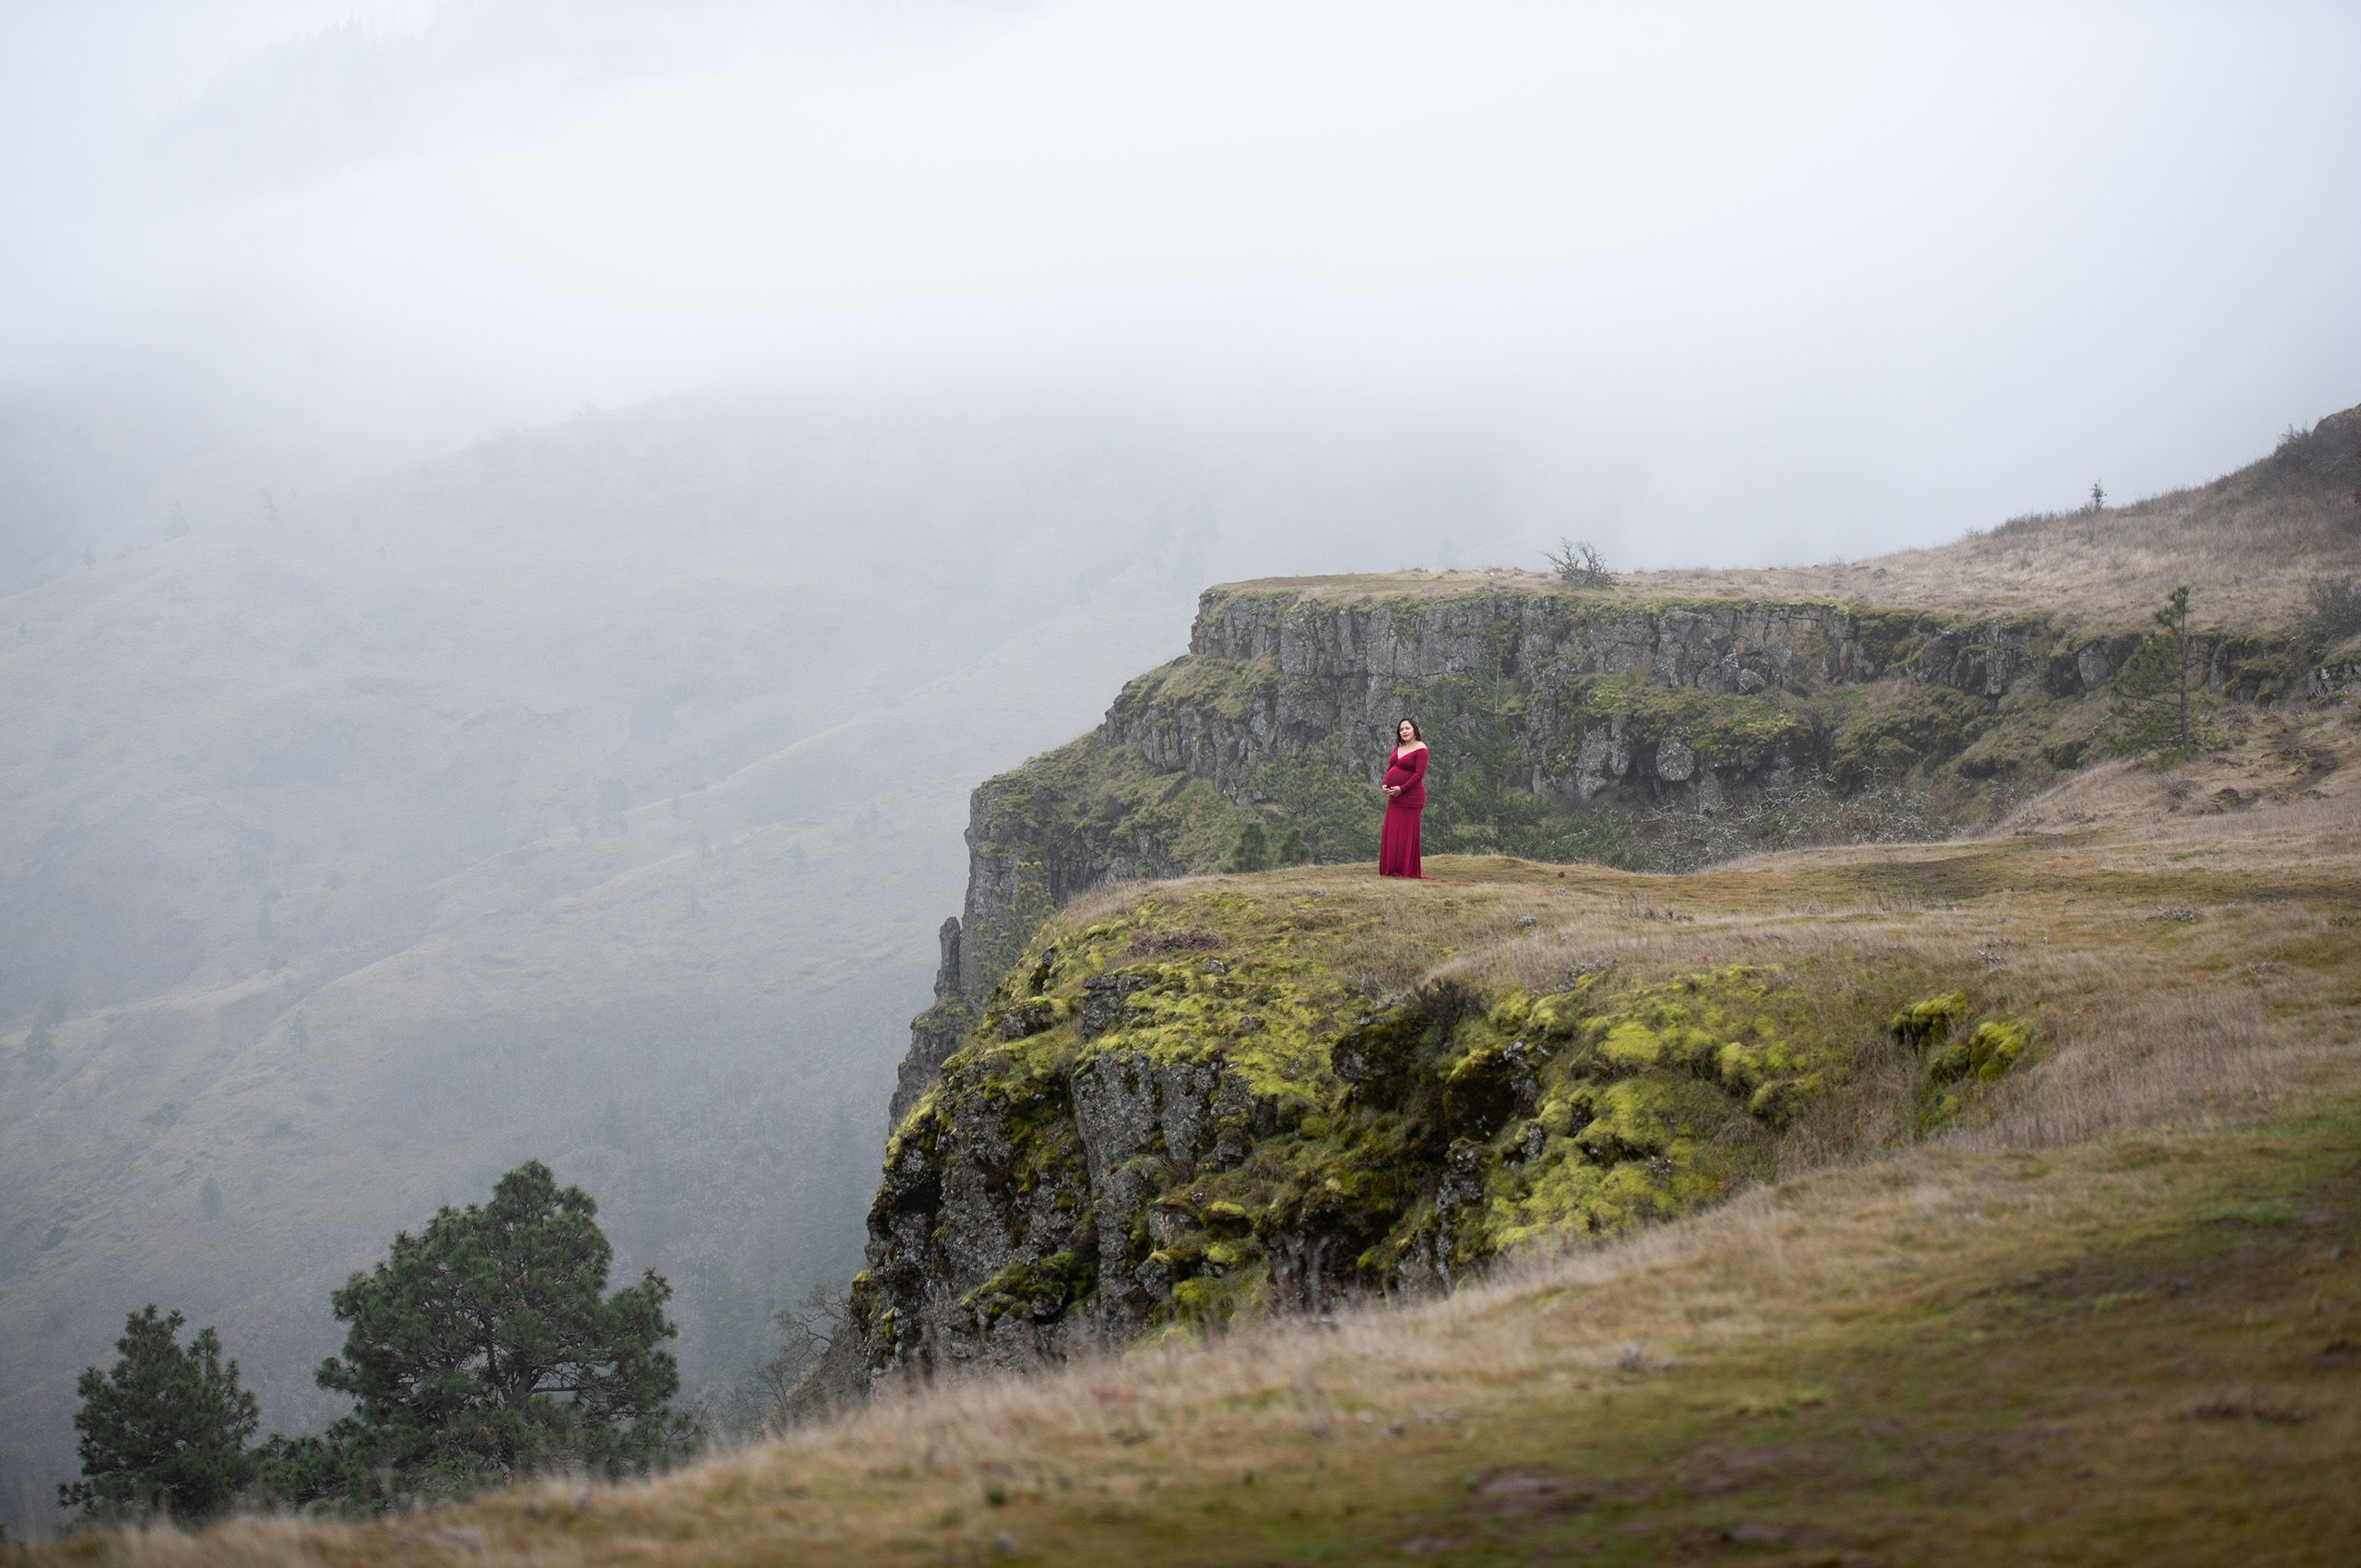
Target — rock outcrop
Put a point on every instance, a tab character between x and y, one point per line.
1185	1110
2323	682
1094	1138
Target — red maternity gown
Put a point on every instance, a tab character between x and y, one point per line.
1397	848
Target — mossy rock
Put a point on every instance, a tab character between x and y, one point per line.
1638	1118
1926	1022
1488	1083
1888	733
1996	1047
1381	1146
1042	1290
1781	1100
1993	1049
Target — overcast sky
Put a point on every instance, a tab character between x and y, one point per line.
1733	283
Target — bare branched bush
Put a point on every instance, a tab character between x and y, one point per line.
1579	564
757	1408
2331	617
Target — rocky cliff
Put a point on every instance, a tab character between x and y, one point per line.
1202	1098
1566	725
1199	1099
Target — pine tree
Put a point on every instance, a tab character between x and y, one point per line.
1253	851
2157	706
166	1430
485	1346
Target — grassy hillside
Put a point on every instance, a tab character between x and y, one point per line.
2106	1310
2254	541
459	818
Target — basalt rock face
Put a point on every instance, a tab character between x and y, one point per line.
1714	646
1015	1222
1579	701
1600	701
1027	853
935	1034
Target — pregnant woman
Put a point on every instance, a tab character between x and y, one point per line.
1405	797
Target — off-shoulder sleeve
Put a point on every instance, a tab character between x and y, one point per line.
1416	763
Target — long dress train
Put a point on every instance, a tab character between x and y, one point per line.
1397	845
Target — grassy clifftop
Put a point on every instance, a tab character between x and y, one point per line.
1671	717
2254	540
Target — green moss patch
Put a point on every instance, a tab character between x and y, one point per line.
1042	1291
1955	1056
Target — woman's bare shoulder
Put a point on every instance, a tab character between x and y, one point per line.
1416	746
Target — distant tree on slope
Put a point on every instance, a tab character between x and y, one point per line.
40	1050
166	1430
2159	704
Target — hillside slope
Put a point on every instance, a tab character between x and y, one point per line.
581	795
2101	1307
2253	541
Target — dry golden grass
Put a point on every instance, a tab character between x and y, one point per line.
1958	1352
1305	1430
2252	542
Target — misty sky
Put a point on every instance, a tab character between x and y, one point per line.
1728	284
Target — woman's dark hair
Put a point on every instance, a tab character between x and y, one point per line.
1416	734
